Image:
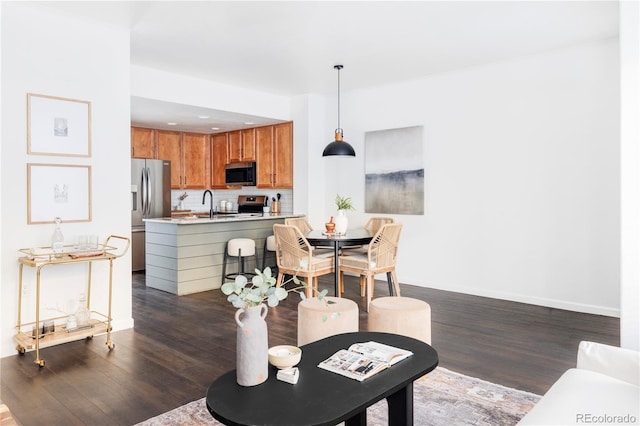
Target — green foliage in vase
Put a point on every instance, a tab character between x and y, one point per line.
243	293
344	203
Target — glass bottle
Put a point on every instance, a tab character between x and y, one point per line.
82	313
57	239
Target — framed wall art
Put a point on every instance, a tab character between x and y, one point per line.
394	171
58	126
58	190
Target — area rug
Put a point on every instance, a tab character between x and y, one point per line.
442	397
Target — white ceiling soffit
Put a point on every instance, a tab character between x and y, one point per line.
187	118
289	48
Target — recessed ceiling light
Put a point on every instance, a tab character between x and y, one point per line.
172	124
203	116
215	128
248	122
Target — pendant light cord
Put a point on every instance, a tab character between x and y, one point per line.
338	67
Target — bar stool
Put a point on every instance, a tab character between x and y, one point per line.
269	245
240	248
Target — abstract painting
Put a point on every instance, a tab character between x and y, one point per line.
394	171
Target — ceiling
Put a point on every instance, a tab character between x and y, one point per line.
289	48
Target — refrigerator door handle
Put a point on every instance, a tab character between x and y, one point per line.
143	189
149	186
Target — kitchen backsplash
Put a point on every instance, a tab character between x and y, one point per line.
194	198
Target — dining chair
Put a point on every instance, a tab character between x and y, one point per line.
372	225
303	225
300	223
295	256
379	259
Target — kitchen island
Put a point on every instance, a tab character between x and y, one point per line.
184	255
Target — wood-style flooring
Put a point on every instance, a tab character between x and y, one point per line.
180	344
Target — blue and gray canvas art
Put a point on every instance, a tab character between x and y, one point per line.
394	171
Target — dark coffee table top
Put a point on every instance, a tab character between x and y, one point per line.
320	397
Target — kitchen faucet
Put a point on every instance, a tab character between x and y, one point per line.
204	197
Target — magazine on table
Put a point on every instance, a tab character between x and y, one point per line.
363	360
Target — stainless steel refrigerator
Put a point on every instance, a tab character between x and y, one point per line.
150	198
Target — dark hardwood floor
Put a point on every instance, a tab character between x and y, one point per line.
180	344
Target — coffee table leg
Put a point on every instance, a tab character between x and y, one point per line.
359	419
401	406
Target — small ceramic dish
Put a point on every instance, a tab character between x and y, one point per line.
284	356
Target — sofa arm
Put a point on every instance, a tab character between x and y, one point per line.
622	364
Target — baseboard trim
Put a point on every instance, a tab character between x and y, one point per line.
523	298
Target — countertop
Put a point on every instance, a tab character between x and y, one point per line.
237	217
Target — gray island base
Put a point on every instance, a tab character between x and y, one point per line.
185	256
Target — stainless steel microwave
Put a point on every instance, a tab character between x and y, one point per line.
243	173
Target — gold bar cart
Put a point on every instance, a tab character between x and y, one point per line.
28	335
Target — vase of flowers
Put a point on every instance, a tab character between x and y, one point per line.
343	204
252	347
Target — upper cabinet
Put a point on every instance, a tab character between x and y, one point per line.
198	160
242	145
195	154
274	156
143	143
219	157
189	156
170	148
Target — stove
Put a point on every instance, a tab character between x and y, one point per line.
251	203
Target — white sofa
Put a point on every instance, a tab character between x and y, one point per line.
602	389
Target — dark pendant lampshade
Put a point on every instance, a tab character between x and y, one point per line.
338	146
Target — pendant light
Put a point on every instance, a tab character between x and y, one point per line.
338	146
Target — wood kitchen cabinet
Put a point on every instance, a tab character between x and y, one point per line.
143	142
170	148
196	150
274	156
242	145
189	156
219	158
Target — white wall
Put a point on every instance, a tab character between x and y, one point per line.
630	173
48	54
522	177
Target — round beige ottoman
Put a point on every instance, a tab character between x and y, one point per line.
401	315
317	319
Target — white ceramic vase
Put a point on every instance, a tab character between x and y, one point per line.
341	222
252	347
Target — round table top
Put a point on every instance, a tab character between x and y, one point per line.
353	236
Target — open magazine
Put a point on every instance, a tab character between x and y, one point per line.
363	360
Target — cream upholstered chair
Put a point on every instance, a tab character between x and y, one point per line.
379	259
295	256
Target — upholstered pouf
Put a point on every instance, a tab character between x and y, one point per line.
317	319
401	315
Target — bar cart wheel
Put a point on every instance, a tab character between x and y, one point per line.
21	350
111	345
40	362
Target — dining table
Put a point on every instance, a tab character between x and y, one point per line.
352	237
